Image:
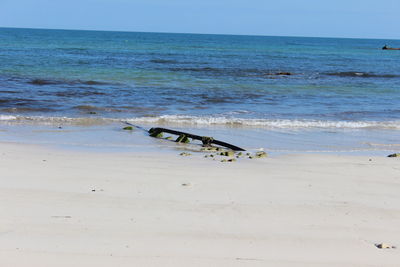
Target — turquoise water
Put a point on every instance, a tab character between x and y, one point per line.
347	86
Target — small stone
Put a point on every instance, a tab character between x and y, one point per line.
261	154
383	246
395	155
92	112
168	137
185	154
211	148
128	128
239	154
223	160
185	184
231	160
228	153
250	157
248	154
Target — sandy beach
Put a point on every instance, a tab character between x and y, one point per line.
78	208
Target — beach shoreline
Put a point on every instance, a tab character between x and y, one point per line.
94	208
111	137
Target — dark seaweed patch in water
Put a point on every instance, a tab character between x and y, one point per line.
9	92
236	72
82	62
361	74
5	101
163	61
26	105
80	93
270	74
87	108
18	101
91	82
217	99
41	82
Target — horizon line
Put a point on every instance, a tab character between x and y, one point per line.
197	33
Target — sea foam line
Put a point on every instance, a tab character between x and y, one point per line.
268	123
206	121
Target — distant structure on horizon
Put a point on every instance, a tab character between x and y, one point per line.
385	47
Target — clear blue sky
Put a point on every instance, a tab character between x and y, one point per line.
324	18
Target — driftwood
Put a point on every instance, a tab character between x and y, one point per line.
207	141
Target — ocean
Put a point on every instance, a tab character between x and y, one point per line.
282	94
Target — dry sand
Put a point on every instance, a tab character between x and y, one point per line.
74	208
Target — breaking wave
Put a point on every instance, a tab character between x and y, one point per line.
179	120
267	123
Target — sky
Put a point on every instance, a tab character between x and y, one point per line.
314	18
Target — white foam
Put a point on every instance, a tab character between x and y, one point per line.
208	120
267	123
7	117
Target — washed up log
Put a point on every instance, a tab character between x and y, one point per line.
206	140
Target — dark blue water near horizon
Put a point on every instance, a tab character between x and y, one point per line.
257	81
